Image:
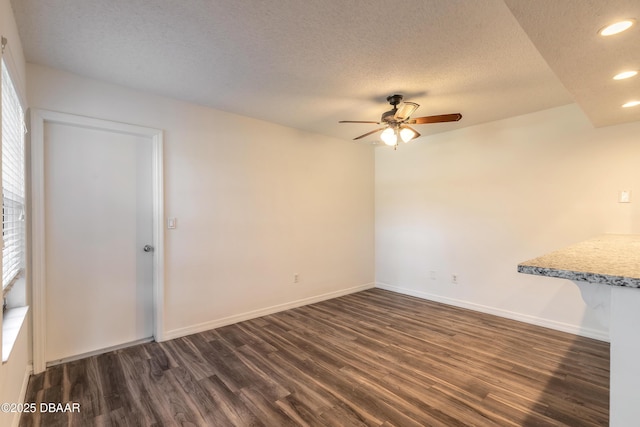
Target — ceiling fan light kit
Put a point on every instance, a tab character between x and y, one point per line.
391	136
397	120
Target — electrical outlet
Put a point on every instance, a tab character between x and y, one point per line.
454	278
296	278
432	275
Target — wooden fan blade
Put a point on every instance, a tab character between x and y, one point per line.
405	110
357	121
369	133
436	119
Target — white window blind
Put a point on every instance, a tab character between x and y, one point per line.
13	229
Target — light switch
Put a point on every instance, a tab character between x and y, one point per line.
625	196
171	223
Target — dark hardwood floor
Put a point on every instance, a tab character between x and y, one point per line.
374	358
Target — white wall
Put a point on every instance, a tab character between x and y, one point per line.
13	374
477	201
256	203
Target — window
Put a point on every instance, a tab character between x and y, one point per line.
13	206
13	194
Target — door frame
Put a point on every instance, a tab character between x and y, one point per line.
39	118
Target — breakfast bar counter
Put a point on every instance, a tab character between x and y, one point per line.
611	259
607	271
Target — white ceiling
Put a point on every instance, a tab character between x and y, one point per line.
308	64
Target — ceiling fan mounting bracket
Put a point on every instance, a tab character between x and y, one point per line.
394	99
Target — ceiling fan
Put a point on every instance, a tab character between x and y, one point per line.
397	120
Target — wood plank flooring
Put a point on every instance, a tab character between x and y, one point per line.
374	358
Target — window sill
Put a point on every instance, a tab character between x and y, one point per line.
12	322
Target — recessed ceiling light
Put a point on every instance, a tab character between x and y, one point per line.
617	27
625	75
631	104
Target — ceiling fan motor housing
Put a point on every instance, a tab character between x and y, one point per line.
388	116
394	99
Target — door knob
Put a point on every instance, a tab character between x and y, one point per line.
148	248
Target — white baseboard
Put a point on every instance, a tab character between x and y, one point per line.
534	320
23	393
201	327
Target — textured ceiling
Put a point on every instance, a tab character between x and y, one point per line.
308	64
566	34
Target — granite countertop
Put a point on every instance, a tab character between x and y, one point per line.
611	259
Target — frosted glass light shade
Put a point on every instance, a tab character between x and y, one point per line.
389	137
407	134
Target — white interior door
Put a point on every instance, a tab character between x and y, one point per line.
98	216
